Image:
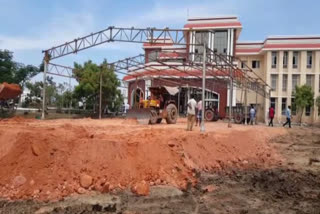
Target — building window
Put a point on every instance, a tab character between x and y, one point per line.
293	107
255	64
200	38
273	102
285	59
309	80
283	106
274	80
274	59
243	64
221	42
284	82
153	55
308	110
295	81
309	59
295	59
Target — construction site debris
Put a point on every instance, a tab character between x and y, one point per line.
60	158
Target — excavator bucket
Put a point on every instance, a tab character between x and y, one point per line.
141	114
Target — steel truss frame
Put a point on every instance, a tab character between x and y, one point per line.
214	62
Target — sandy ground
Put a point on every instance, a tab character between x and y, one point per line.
247	168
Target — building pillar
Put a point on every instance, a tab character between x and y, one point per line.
316	84
289	88
268	81
303	67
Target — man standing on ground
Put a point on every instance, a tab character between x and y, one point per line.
271	116
288	114
199	113
191	112
252	115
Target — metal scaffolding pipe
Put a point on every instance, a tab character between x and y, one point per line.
230	98
202	128
45	62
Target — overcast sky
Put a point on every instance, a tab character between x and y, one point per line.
29	26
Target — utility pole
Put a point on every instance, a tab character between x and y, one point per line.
202	128
100	96
45	62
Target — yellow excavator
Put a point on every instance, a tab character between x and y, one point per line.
159	105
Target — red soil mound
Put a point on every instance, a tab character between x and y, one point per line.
53	159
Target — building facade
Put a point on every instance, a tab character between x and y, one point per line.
282	62
285	62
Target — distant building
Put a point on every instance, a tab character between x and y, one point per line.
281	61
284	62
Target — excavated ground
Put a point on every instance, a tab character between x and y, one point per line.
252	169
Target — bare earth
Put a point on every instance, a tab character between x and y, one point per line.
243	169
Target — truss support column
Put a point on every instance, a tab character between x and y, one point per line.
202	129
179	101
230	98
100	95
256	118
245	103
70	103
45	62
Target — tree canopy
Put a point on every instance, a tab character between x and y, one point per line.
14	72
88	76
304	96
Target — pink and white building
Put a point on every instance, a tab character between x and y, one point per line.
281	61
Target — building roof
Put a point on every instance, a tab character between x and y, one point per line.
215	23
302	42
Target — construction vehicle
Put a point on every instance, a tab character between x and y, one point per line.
211	113
159	105
8	93
239	113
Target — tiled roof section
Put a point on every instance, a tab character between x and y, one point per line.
279	43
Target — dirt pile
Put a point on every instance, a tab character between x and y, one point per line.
9	91
51	159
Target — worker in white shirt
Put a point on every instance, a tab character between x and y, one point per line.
199	114
191	112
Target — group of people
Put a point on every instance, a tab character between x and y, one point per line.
194	112
288	116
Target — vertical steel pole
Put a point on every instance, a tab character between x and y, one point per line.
246	103
70	103
100	96
230	97
202	129
45	62
179	101
256	118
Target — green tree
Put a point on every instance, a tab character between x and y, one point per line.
34	97
88	76
13	72
304	96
